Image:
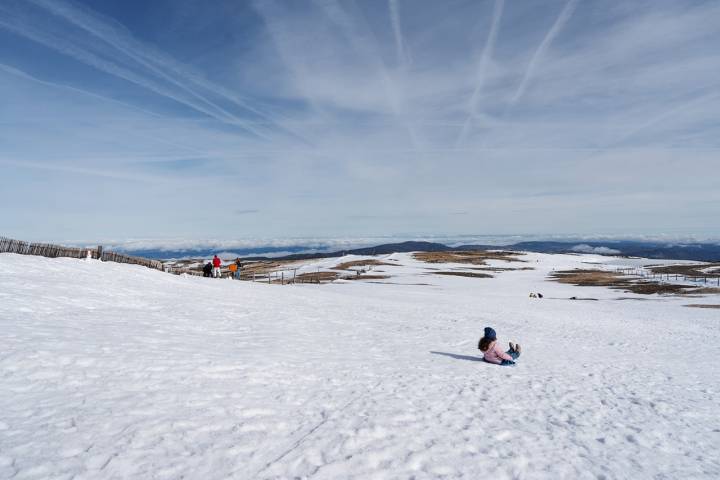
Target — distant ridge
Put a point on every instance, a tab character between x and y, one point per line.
708	252
384	249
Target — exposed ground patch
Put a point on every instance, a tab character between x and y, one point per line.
478	257
661	288
698	305
617	281
368	277
363	263
707	270
499	269
593	278
463	274
316	277
706	291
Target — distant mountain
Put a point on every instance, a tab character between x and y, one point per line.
294	252
385	249
401	247
209	252
707	252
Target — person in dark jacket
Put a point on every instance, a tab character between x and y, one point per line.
492	353
207	270
238	266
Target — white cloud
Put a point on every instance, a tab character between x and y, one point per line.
584	248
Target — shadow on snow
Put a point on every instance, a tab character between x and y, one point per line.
459	357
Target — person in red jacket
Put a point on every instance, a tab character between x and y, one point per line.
216	266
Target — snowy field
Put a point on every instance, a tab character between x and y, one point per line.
117	371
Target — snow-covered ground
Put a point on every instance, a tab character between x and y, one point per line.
117	371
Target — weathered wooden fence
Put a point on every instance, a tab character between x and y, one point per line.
122	258
9	245
667	276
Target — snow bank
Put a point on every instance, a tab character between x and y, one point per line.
116	371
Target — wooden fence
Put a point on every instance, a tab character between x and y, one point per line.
122	258
9	245
667	276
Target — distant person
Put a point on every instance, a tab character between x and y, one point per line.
492	353
207	270
216	262
238	268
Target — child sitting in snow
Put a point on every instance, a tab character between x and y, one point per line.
492	351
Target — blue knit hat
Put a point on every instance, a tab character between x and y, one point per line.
490	333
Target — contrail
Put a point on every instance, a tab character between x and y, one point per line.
338	16
701	100
86	171
562	19
121	39
156	63
91	59
482	67
397	31
269	11
27	76
24	75
671	112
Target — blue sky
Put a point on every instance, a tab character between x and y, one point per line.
269	119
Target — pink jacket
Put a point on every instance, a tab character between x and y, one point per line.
495	354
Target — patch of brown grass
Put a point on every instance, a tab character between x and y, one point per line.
464	274
593	278
362	263
698	305
705	291
650	288
617	281
687	270
477	257
499	269
316	277
368	277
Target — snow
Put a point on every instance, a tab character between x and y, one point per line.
711	269
117	371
